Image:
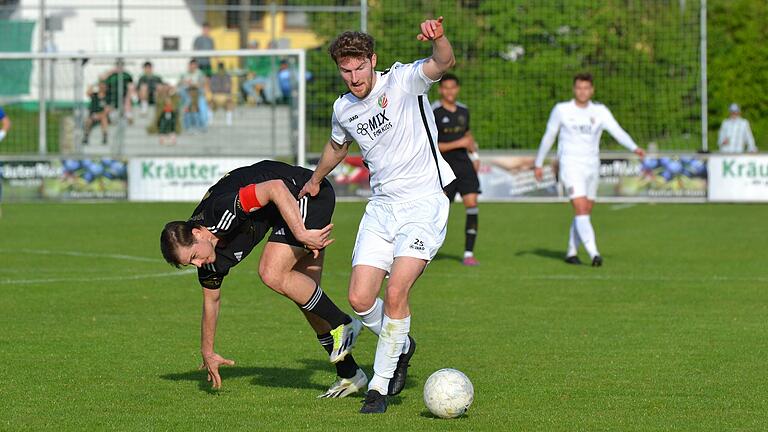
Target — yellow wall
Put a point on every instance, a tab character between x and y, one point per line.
229	39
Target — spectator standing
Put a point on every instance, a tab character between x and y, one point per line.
735	133
204	43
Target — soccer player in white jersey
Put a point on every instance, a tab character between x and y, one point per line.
388	115
578	125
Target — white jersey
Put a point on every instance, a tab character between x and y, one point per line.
395	129
579	132
738	135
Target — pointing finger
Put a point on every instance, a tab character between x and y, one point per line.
440	20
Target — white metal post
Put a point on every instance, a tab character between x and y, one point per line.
42	142
301	154
364	16
703	61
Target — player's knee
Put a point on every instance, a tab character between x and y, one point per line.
271	277
360	302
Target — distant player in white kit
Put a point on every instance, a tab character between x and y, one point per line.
388	115
580	123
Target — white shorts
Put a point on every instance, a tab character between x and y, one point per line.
580	178
414	229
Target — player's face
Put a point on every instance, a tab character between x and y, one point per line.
201	252
449	91
358	74
583	91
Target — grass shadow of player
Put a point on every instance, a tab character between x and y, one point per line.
265	376
427	414
544	253
444	256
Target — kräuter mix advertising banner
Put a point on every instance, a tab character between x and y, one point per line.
63	179
738	178
177	179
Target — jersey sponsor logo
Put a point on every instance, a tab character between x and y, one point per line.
375	126
239	256
446	120
383	102
417	244
353	118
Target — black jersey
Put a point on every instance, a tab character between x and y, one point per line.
451	126
239	232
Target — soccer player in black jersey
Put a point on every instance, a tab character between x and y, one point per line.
459	149
235	214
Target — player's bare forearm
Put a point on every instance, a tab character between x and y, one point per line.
277	192
463	142
6	123
211	301
333	154
442	57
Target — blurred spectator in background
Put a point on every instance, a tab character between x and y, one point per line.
285	81
166	122
193	85
112	79
98	112
258	87
204	43
221	90
148	83
5	124
735	133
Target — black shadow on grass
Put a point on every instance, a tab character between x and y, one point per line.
443	256
544	253
279	377
428	414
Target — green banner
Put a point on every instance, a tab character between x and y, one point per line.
16	36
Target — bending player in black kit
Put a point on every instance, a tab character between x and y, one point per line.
235	214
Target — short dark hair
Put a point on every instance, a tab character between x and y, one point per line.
352	44
450	77
193	61
175	234
206	24
147	64
584	76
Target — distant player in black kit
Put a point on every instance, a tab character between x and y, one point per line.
459	149
235	214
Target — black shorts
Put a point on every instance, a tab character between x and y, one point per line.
466	178
316	211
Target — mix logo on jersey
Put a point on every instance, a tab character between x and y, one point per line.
376	125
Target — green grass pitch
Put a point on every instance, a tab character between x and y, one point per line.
98	333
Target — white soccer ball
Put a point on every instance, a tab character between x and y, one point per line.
448	393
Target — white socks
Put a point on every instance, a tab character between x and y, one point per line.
573	241
392	341
586	234
372	317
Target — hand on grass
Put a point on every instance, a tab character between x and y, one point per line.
211	362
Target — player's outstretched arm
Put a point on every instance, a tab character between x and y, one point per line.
333	154
255	196
211	360
442	57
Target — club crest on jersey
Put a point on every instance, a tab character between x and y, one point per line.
383	102
375	126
